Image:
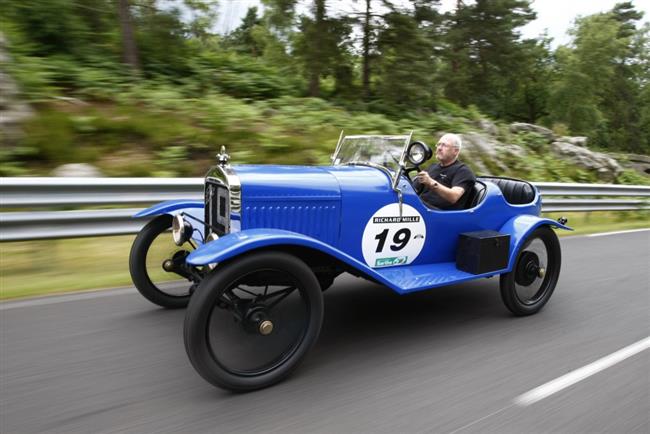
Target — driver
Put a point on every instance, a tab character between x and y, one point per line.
446	184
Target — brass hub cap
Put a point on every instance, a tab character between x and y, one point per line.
266	327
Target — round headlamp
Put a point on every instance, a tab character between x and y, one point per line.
181	230
418	152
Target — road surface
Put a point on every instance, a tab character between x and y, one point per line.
449	360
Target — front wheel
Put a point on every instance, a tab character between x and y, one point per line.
152	251
253	320
529	286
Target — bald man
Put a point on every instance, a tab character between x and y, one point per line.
446	184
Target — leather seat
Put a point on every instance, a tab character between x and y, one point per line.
475	195
514	191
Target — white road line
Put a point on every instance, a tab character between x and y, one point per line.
580	374
602	234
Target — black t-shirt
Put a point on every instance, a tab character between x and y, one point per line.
456	174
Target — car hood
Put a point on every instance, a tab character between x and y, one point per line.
315	201
286	183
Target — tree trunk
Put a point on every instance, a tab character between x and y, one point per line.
366	53
316	67
129	47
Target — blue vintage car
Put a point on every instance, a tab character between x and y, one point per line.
257	253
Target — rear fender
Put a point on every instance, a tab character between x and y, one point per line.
520	227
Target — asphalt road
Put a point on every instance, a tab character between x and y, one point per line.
447	360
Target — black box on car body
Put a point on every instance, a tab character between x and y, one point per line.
482	251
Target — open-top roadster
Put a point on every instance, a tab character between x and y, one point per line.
257	253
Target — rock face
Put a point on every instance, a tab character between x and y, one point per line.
519	127
488	126
640	163
485	152
576	141
606	168
82	170
575	150
479	147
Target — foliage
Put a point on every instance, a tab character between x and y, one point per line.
391	68
405	77
601	81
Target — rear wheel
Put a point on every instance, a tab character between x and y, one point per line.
158	268
251	322
529	286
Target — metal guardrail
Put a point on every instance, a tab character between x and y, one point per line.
33	193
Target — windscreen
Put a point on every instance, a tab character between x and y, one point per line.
383	150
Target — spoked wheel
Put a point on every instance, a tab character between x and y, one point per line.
252	321
158	268
529	286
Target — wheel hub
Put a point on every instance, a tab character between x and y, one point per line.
256	320
266	327
176	262
528	269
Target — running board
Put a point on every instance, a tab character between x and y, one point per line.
412	278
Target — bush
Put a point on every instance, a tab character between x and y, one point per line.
632	177
241	76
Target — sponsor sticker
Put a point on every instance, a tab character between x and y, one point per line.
390	239
387	262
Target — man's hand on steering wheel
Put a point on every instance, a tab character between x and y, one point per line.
425	180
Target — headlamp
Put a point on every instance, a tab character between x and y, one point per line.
181	230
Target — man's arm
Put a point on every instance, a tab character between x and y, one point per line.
451	195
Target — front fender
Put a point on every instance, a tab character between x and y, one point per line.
194	208
520	227
171	207
237	243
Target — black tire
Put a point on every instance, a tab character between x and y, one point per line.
139	266
525	292
230	351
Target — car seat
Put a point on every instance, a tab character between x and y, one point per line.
475	195
515	191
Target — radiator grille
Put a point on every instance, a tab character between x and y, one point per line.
217	208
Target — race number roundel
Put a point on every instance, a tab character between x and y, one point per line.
389	239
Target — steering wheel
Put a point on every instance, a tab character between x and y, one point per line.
420	187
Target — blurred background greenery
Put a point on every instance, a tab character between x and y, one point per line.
149	88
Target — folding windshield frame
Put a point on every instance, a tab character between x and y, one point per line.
394	177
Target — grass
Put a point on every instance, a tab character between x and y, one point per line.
597	222
32	268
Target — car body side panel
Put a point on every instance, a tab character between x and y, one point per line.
298	199
400	279
520	227
365	190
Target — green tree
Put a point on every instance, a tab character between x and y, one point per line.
322	45
59	27
484	52
601	79
405	66
243	38
527	98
